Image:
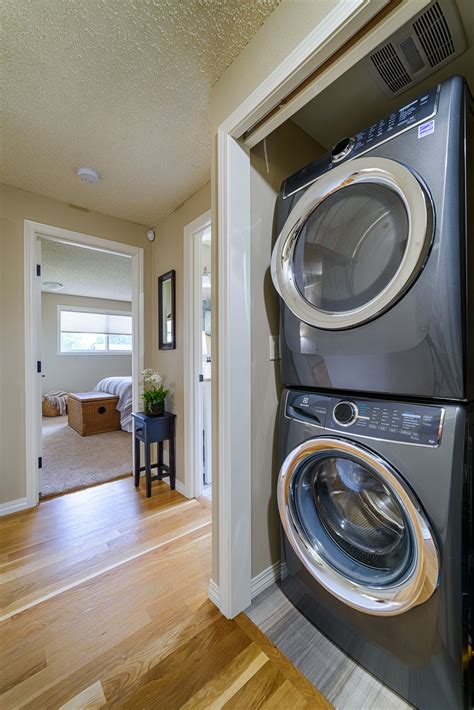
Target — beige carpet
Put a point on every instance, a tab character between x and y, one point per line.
71	461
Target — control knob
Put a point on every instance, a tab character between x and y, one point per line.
342	149
345	413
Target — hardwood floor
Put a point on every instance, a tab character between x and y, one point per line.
104	604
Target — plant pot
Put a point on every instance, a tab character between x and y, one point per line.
155	410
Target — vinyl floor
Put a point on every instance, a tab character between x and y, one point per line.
342	681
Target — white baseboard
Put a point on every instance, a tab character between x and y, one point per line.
13	506
213	593
264	580
258	584
180	487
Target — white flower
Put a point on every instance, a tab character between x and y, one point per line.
151	379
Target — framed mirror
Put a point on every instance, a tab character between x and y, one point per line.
167	310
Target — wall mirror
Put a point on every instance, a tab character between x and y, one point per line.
167	310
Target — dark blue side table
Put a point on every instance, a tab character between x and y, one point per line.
154	430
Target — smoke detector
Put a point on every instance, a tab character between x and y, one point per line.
89	175
52	286
430	40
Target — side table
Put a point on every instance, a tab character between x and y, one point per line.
154	430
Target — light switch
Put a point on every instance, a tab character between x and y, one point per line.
274	347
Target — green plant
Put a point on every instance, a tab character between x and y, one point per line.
153	390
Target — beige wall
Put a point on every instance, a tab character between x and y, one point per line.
287	26
286	150
15	207
76	373
168	253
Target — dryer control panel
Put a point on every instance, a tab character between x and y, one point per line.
377	419
416	112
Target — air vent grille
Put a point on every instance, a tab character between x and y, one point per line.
434	35
390	68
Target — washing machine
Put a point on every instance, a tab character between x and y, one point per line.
372	260
375	503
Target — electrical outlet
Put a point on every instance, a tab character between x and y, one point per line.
274	347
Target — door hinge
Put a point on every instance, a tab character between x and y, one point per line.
38	366
38	269
40	462
201	378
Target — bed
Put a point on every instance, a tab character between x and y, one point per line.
121	387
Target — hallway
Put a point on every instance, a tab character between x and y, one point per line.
104	603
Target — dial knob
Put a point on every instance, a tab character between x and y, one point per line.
341	149
345	413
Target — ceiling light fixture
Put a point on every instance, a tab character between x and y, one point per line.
89	175
52	286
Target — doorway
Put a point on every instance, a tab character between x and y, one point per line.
65	337
198	357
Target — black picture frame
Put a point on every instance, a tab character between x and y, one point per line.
165	343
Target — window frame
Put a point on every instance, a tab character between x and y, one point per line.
85	309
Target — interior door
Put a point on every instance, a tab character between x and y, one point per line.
353	244
357	527
40	373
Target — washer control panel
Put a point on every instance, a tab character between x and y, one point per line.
377	419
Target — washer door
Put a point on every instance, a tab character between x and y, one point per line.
353	244
356	527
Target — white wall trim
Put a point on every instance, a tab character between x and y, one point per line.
13	506
192	448
233	234
258	584
33	230
213	593
333	31
264	580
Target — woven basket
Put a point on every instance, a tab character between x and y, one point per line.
93	412
49	409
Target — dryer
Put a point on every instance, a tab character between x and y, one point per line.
372	261
375	503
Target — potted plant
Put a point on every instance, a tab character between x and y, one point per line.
154	394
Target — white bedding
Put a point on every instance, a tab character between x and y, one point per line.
121	387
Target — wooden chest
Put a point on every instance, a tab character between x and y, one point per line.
93	412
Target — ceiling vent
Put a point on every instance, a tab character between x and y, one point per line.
433	38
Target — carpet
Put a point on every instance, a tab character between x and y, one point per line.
72	461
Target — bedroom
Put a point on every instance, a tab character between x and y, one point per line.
86	365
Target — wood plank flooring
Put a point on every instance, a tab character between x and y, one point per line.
105	604
346	684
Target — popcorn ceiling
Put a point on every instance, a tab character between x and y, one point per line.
121	85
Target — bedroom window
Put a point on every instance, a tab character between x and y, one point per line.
93	331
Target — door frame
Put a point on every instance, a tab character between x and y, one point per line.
326	53
32	231
192	330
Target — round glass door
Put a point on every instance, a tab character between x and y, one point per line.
357	528
353	244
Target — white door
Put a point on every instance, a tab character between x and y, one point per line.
39	367
203	353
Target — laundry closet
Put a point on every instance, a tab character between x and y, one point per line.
361	397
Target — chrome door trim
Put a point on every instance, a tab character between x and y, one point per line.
420	231
378	601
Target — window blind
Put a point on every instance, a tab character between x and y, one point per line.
103	323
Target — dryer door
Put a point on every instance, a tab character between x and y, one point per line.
353	244
356	527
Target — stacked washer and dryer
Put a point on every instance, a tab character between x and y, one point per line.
374	265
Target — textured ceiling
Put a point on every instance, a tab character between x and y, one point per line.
120	85
87	272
